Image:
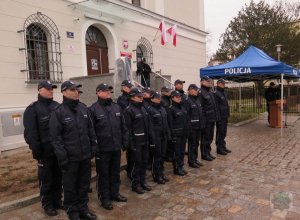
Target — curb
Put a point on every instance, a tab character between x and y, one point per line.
20	203
245	122
29	200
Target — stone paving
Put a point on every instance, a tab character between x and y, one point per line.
259	180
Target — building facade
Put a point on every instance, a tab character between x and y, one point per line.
59	40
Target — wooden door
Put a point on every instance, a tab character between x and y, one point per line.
93	60
97	60
104	60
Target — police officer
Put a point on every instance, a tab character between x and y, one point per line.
211	116
179	128
166	102
140	137
147	91
159	120
165	97
37	136
112	136
194	110
179	88
221	125
123	100
73	138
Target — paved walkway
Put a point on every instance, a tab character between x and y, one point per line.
259	180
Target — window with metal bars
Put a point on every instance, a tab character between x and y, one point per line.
136	3
42	46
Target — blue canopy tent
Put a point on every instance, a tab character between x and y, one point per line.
252	65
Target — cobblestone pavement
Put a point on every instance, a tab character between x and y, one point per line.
259	180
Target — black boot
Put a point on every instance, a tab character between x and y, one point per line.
138	189
146	187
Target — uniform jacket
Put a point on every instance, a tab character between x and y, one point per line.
159	119
139	125
195	112
178	120
222	103
110	128
272	94
184	97
209	105
36	123
165	101
72	132
123	100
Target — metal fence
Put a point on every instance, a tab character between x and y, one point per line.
251	99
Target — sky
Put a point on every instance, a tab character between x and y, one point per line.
218	14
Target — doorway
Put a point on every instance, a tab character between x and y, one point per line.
96	52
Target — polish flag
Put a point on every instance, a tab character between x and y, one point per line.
172	32
162	28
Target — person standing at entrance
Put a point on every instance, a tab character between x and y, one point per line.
140	137
73	138
112	136
144	71
271	94
210	113
37	136
221	125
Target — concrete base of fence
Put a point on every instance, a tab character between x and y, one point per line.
245	122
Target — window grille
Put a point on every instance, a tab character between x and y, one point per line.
144	50
42	49
95	37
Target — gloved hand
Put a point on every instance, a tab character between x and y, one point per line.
64	166
36	154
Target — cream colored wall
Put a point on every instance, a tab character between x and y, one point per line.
181	62
13	15
185	11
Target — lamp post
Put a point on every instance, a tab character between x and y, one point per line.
278	49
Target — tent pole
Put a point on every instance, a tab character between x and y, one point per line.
281	105
240	97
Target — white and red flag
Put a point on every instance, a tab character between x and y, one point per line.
162	28
172	32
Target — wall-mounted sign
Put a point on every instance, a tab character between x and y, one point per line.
125	54
125	44
94	63
70	34
17	119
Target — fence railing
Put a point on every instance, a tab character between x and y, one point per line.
252	100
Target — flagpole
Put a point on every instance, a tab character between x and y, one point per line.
155	35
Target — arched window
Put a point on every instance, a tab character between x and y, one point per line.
95	37
144	50
43	56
